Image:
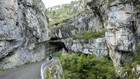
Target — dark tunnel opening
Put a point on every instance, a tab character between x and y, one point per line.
54	38
56	44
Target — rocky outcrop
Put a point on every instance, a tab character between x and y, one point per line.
83	20
121	33
90	46
121	22
22	33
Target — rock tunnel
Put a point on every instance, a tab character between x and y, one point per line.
55	45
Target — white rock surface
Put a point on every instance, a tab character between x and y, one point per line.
23	29
91	46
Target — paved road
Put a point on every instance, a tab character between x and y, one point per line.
31	71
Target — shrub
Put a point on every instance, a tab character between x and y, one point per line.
129	66
35	5
87	67
52	33
2	69
27	62
89	35
47	73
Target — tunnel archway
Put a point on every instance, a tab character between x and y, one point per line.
56	45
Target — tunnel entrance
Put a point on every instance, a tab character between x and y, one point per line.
55	45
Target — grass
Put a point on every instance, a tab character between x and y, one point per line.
28	62
47	73
89	35
1	69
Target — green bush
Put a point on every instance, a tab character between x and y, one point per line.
136	58
89	35
87	67
2	69
47	73
52	33
34	5
129	66
27	62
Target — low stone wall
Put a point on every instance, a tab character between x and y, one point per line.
52	69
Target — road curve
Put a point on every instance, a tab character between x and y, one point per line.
31	71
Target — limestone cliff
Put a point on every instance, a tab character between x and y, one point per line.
23	29
119	18
81	18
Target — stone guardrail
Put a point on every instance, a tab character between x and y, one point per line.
43	66
42	71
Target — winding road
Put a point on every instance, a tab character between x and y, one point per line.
31	71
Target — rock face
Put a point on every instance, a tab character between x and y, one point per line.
22	33
91	46
121	21
121	33
83	20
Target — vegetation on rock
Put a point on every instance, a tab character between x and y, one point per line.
53	32
58	15
89	35
129	68
34	5
81	66
61	13
88	66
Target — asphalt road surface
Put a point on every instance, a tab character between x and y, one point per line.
31	71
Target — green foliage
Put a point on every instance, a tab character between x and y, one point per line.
34	5
79	12
89	35
59	15
87	67
136	58
47	73
105	2
74	31
52	33
28	62
132	75
2	69
128	66
47	18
